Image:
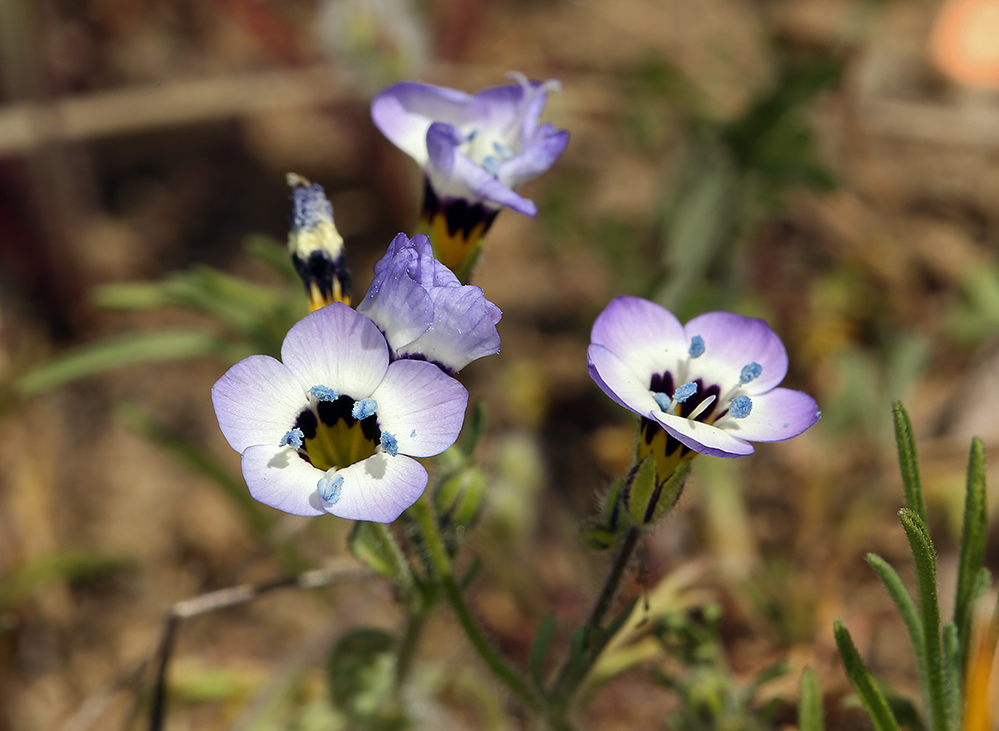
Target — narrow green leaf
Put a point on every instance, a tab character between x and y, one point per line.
862	681
811	716
539	650
641	491
925	560
908	461
125	350
953	672
906	607
973	535
475	427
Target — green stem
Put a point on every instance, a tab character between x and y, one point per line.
415	619
576	667
402	572
422	511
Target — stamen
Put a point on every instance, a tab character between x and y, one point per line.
323	393
390	444
504	152
330	486
696	347
413	433
750	372
664	401
471	135
740	407
702	407
491	165
292	439
684	392
364	408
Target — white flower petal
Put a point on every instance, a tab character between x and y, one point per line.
619	381
257	402
278	477
644	335
378	488
733	341
703	438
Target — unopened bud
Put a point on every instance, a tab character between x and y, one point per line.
316	246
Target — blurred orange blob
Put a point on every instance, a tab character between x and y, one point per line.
964	43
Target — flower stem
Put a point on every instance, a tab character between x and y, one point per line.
422	511
415	620
576	667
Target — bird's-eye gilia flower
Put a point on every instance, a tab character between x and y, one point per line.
332	427
425	312
474	149
316	246
709	386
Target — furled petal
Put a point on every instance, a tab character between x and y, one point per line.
732	341
498	107
535	159
454	175
404	112
421	407
278	477
619	381
257	402
703	438
425	269
642	334
777	415
336	347
464	328
399	305
378	488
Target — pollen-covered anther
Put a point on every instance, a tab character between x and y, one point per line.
323	393
740	407
390	445
680	395
364	408
292	439
750	372
696	349
330	486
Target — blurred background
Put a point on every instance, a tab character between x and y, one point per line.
830	165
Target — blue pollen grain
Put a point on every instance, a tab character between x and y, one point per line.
750	372
390	444
364	408
292	439
330	487
323	393
684	392
740	407
696	347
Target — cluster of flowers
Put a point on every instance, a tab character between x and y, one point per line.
333	426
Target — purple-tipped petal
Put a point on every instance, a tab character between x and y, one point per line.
731	342
464	329
336	347
378	488
405	111
257	402
777	415
400	307
278	477
619	381
421	407
534	160
642	334
703	438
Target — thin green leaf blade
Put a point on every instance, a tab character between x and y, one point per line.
973	535
952	672
539	650
862	681
906	607
811	716
908	461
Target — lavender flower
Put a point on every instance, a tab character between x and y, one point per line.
709	386
332	427
474	150
425	312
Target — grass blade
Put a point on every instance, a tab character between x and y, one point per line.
973	535
952	670
862	681
908	462
925	560
810	711
906	607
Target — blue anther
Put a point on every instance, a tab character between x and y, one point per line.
696	347
502	150
663	400
292	439
413	433
330	486
364	408
390	444
684	392
491	164
323	393
310	207
750	372
740	407
471	135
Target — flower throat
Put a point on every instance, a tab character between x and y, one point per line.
333	438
